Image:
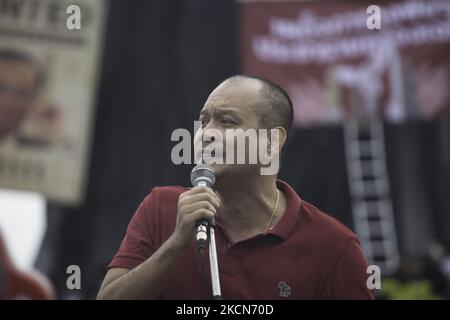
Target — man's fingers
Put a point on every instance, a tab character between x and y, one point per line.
199	205
212	198
195	190
200	214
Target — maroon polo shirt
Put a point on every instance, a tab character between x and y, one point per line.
307	255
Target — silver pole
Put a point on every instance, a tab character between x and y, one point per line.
214	265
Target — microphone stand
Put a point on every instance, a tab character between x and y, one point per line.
214	266
207	179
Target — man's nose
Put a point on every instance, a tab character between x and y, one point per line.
207	137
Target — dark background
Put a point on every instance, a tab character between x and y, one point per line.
161	59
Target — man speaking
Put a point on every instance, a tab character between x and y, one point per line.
270	243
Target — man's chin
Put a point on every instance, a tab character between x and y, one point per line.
218	168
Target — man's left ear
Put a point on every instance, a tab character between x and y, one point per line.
280	135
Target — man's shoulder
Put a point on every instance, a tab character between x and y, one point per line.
168	191
330	238
160	204
324	224
165	193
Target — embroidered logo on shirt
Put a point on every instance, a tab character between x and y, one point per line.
285	290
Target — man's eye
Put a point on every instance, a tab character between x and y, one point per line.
227	122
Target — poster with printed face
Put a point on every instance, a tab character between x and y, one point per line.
49	66
336	64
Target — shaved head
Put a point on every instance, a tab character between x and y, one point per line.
274	106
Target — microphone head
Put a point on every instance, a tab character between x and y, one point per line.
203	175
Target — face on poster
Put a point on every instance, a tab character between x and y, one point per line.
48	85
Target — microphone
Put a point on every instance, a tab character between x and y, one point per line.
202	175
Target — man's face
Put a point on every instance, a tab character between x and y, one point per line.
17	94
230	106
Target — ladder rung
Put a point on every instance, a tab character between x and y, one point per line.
376	129
377	187
372	209
381	248
387	264
370	148
367	168
371	230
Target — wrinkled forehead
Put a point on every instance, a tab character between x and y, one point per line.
239	93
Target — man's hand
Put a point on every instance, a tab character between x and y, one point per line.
193	205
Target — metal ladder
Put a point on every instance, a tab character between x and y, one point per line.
370	193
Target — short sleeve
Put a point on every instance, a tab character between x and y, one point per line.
348	277
138	244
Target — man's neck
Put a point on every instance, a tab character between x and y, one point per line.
248	205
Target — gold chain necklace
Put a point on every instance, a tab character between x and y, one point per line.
275	207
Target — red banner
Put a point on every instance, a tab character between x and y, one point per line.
334	66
